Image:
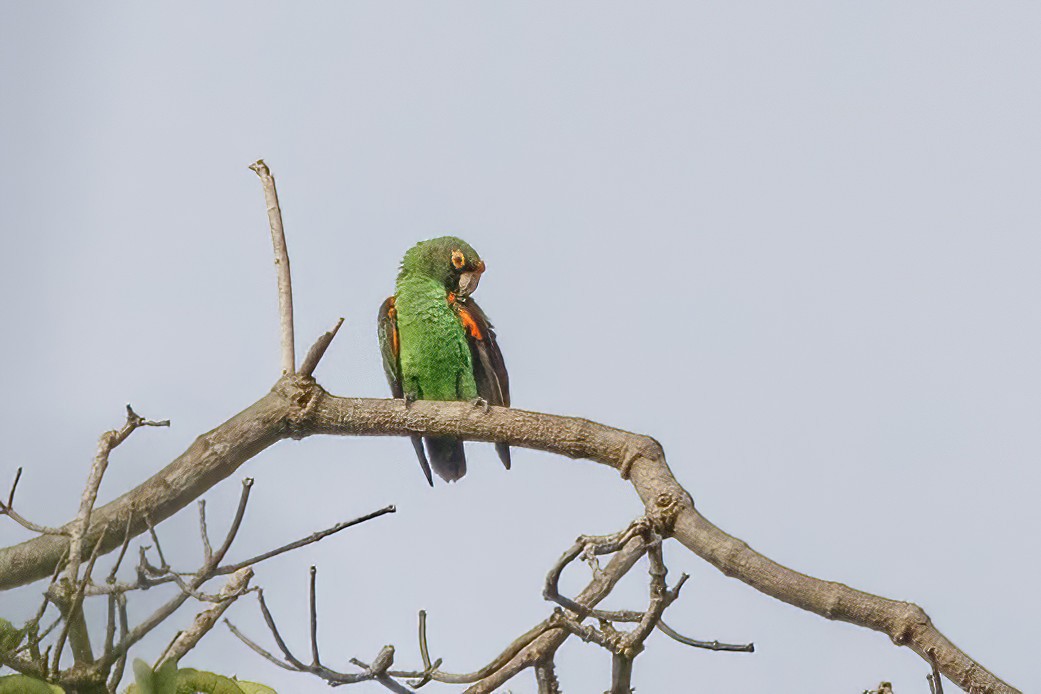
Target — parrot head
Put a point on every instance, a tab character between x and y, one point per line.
447	259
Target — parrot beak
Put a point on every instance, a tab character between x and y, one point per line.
468	281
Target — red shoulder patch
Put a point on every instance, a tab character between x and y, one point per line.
392	314
470	324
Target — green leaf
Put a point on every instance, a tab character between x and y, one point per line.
144	677
255	688
20	684
166	678
170	680
10	636
198	682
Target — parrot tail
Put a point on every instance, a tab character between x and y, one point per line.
504	454
446	457
417	443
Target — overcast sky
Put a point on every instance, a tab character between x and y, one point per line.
797	243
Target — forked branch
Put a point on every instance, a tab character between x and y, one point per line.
297	407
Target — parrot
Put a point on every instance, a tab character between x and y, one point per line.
437	344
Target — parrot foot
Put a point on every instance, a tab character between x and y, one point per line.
409	399
482	403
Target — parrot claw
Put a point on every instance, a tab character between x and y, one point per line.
482	403
409	399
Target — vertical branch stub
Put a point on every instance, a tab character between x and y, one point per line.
285	282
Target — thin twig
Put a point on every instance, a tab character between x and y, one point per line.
70	602
124	630
14	486
122	551
317	351
313	605
203	575
424	652
258	649
8	510
549	639
163	566
106	443
270	621
313	537
589	546
204	621
207	550
709	645
153	576
236	522
285	282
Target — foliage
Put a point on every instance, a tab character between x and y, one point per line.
21	684
10	636
169	679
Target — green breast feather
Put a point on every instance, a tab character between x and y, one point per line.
435	357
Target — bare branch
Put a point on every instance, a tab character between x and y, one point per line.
709	645
297	408
549	640
312	538
207	550
285	282
591	546
317	351
69	599
106	443
8	510
313	605
163	566
258	649
204	621
14	486
236	522
546	677
124	630
621	674
150	576
188	590
122	551
270	621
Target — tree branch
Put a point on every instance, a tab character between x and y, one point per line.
297	407
285	283
317	351
204	621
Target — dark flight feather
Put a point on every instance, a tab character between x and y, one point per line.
390	349
493	383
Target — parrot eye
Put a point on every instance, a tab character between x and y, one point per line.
458	260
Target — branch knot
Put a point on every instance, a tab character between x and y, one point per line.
663	513
302	393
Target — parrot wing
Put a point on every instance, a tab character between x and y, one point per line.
390	349
493	383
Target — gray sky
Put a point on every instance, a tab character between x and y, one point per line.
797	244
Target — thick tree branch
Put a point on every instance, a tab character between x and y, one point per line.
297	408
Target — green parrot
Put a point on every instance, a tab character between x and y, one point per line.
438	344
